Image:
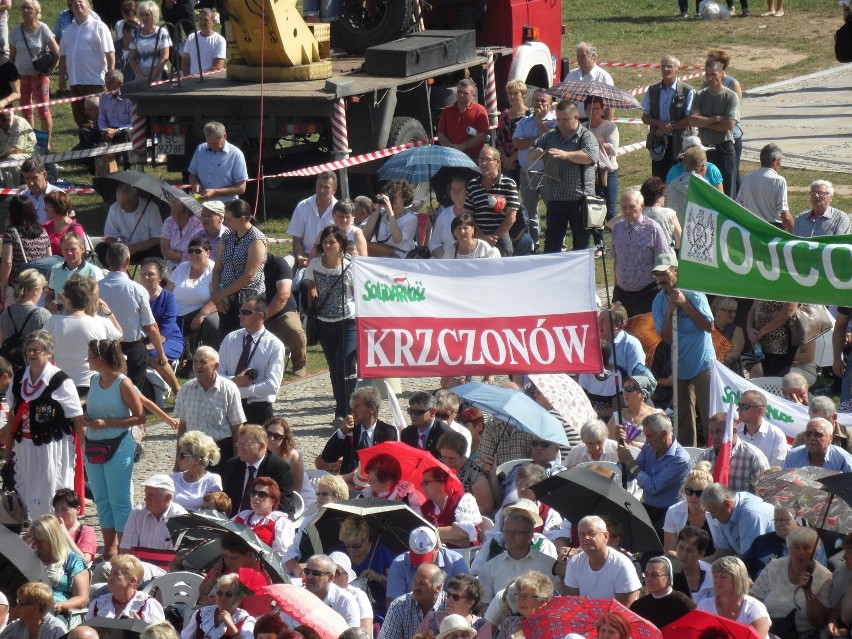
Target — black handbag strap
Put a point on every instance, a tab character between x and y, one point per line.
26	42
321	303
26	319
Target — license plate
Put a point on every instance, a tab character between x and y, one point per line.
171	144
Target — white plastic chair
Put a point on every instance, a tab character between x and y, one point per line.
611	466
176	587
771	385
299	505
314	474
506	467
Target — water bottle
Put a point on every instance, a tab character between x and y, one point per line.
758	352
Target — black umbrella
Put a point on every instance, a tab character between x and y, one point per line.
196	537
390	523
18	564
446	174
578	492
149	187
839	484
117	628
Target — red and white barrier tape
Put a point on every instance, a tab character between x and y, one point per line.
342	164
76	155
491	90
339	133
629	148
637	65
640	90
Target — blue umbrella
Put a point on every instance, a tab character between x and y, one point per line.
514	408
421	163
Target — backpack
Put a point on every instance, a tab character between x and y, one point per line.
13	346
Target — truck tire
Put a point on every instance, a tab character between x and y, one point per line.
354	31
406	130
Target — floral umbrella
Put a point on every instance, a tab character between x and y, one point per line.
800	491
304	607
568	400
579	615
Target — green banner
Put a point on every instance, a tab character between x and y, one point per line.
726	250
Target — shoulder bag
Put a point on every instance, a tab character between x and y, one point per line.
12	348
44	61
809	322
843	43
593	207
312	326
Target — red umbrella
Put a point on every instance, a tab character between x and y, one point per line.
695	622
579	615
304	608
414	462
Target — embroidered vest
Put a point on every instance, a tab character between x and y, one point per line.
47	416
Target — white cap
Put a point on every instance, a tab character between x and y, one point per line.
341	559
160	480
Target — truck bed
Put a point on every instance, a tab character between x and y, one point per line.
218	93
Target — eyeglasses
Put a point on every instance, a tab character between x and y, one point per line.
817	434
185	455
247	312
354	546
631	389
456	597
259	494
317	573
728	310
589	534
487	160
743	406
322	493
655	575
820	193
195	251
34	351
275	436
540	444
692	492
417	412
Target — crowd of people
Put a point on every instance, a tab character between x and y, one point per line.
216	308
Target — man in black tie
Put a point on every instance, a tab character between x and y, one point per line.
425	430
360	429
254	460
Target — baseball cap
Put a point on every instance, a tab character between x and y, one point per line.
341	559
214	206
665	261
422	541
160	480
690	141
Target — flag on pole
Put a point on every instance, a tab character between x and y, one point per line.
396	409
722	467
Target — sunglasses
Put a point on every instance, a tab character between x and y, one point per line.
417	412
275	436
245	311
692	492
195	251
540	444
456	597
317	573
631	389
325	494
743	406
185	455
354	546
260	494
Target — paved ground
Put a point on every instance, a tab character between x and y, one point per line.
808	117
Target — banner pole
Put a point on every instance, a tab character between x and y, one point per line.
674	374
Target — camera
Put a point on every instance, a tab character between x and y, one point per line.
252	374
378	199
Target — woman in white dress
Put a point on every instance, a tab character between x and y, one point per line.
123	599
226	618
196	451
47	427
190	282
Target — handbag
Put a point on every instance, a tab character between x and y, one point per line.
592	206
843	43
312	330
785	627
43	62
809	322
11	506
100	451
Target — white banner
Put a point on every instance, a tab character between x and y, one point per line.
786	415
423	318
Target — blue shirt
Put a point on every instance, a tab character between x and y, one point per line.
713	175
129	301
115	112
220	169
750	518
662	478
630	354
667	95
695	346
835	459
401	572
527	128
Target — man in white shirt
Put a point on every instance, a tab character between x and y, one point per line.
596	446
757	431
86	53
600	572
318	576
764	193
253	358
208	43
34	176
135	221
146	526
588	69
311	216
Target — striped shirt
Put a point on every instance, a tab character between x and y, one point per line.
481	203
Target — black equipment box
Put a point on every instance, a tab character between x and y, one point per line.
465	40
409	56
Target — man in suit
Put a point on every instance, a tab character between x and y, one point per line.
254	460
425	430
360	429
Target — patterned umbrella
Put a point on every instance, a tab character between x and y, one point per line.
421	163
568	400
579	615
800	491
303	607
579	90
